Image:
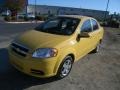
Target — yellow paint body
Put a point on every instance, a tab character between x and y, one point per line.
64	44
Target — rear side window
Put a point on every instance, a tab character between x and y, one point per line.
94	25
86	27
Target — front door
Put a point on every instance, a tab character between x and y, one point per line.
84	44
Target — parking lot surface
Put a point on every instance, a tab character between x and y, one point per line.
100	71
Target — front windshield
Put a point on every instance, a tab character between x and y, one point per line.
59	25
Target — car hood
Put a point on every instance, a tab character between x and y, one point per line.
35	39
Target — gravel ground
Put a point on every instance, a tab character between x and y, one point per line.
99	71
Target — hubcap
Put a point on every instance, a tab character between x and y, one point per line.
98	47
66	67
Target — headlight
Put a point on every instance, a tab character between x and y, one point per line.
45	53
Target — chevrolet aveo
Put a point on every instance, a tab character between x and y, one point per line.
52	47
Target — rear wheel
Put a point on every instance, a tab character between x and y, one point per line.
96	50
65	67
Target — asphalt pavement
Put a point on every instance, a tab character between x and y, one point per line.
99	71
9	31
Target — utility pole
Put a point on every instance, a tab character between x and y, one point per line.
35	7
26	4
106	9
35	11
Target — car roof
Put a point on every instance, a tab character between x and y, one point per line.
75	16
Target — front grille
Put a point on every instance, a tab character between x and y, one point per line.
19	49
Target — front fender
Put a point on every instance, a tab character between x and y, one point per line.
62	55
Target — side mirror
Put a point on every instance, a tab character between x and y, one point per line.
84	34
78	38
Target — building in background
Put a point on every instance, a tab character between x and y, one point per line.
57	10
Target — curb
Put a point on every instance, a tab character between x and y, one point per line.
24	22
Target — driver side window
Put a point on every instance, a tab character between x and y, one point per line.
86	27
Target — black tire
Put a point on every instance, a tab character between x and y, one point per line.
62	73
96	50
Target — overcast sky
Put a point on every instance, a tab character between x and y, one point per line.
114	5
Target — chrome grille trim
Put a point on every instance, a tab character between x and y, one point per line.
19	49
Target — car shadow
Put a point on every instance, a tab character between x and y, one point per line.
11	79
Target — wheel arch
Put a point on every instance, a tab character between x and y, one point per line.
100	41
58	63
72	55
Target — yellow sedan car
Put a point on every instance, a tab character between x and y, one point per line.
52	47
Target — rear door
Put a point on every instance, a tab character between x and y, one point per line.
96	33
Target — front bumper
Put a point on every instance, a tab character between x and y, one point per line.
34	67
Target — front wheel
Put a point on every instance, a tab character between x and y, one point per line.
65	67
